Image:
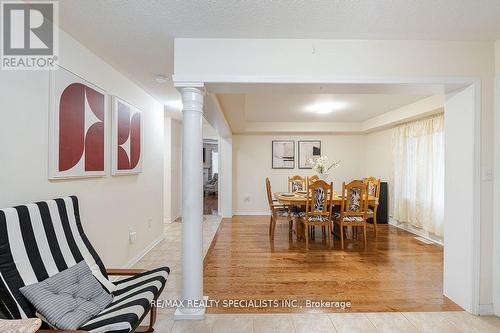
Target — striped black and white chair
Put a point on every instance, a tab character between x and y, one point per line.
41	239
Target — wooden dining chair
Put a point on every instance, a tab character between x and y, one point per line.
373	185
318	209
311	179
277	210
353	208
296	183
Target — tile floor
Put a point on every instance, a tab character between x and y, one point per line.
168	252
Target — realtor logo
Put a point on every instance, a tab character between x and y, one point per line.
29	35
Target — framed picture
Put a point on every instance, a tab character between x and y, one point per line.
308	149
78	129
283	154
126	138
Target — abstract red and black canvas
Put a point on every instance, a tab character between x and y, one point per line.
126	138
78	127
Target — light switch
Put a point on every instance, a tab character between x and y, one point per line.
132	236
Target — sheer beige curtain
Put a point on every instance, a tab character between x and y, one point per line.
418	155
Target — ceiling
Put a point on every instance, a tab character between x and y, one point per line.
242	109
137	36
304	107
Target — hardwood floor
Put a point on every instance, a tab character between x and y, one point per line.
394	273
210	204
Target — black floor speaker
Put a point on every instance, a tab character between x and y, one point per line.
383	204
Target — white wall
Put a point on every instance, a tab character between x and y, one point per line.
109	205
378	159
208	131
167	167
458	246
226	186
252	164
496	252
173	170
378	155
497	57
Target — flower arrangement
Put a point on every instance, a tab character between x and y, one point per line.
320	164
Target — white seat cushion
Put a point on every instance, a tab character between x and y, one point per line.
314	218
353	219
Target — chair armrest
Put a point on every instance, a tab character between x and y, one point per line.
125	271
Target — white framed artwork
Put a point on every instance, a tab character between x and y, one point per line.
283	154
78	127
126	138
308	149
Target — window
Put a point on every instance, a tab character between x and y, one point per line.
418	156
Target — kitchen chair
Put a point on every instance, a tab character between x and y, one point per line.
318	209
296	183
311	179
373	190
277	210
353	208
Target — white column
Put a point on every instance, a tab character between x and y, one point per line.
192	203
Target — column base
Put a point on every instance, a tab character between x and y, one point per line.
189	313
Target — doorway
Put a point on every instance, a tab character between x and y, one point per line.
462	105
210	170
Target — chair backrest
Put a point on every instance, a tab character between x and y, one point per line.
269	193
319	201
373	184
355	198
37	241
296	183
312	179
214	179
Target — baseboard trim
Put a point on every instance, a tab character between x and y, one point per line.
252	213
486	310
139	256
146	250
406	227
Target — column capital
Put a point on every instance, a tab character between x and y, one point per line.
188	84
192	98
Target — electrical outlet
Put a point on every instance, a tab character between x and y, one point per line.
246	198
150	223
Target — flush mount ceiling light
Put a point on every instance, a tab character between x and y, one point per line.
326	107
160	78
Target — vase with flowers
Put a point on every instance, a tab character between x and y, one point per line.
322	167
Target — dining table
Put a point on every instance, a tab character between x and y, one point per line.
299	198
